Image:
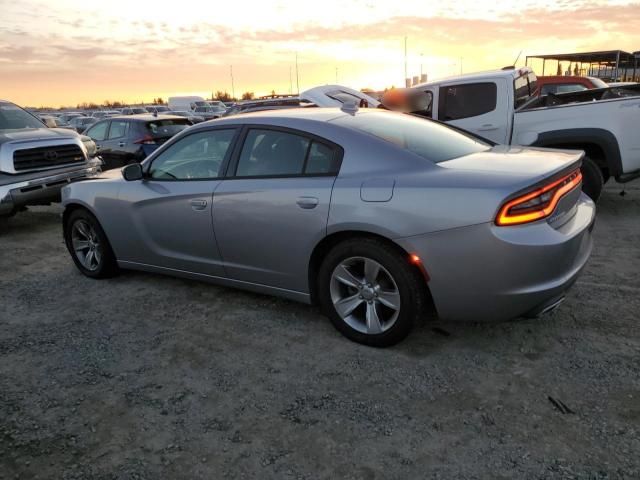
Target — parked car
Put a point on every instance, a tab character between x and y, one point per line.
79	124
127	139
502	106
105	113
157	109
188	103
209	113
191	116
336	96
66	117
259	105
36	161
422	216
49	120
134	110
566	83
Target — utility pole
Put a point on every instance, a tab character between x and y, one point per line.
405	62
297	75
290	81
233	89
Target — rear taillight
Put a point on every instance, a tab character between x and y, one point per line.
539	203
146	140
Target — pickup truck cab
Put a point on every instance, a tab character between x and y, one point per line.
502	106
37	161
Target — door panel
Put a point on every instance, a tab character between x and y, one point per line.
266	228
168	224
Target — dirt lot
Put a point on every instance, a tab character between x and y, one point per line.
147	377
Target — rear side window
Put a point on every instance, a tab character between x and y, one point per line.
561	88
431	140
118	129
468	100
98	131
268	153
166	128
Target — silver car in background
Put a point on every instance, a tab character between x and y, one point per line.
378	217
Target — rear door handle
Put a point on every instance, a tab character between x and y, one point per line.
307	202
121	144
198	204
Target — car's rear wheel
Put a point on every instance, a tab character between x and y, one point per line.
88	245
370	291
592	179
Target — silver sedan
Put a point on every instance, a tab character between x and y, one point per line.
380	218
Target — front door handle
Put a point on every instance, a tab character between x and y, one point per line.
487	127
198	204
121	144
307	202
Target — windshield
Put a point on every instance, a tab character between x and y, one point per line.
429	139
597	83
13	117
167	128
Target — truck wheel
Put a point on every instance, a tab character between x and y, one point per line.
592	179
89	246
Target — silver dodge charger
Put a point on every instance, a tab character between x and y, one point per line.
380	218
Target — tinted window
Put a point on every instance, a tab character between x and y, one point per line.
194	157
12	116
561	88
322	159
469	100
166	128
118	129
271	152
98	131
429	139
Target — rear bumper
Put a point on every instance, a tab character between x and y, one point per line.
36	191
484	272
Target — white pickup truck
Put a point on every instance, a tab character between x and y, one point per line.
500	106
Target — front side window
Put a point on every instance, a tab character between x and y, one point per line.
467	100
199	156
118	129
98	131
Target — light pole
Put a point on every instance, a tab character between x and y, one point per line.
297	75
233	89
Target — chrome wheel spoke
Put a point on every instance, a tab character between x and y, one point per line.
83	229
343	275
347	305
97	254
79	245
371	270
374	325
389	298
88	260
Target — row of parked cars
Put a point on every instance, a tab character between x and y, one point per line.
377	216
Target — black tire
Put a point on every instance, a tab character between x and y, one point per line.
409	283
592	179
107	265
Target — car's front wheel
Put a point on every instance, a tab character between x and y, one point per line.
88	245
370	291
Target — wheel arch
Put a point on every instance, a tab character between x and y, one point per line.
600	145
327	243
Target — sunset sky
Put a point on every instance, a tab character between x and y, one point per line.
64	52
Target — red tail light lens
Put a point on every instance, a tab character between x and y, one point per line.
539	203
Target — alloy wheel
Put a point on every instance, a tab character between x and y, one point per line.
86	245
365	295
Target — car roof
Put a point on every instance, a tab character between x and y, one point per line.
145	117
512	73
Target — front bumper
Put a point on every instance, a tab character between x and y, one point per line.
485	272
37	191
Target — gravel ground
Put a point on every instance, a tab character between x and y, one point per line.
149	377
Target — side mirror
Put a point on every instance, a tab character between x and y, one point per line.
132	172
